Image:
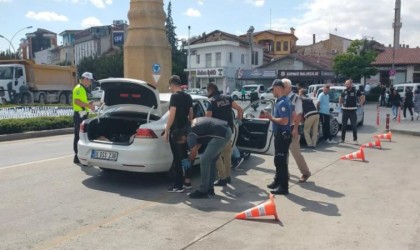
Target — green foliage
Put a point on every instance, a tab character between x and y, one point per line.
12	126
179	55
105	66
356	63
8	55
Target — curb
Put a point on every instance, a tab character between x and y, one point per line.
406	132
36	134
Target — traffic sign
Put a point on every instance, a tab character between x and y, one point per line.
392	72
156	68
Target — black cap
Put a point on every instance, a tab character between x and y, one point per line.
278	82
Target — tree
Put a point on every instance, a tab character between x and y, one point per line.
103	67
8	55
179	55
356	62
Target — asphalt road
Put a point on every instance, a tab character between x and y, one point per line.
47	202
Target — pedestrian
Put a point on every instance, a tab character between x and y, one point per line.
220	107
349	100
383	95
297	110
281	119
396	102
323	105
311	123
417	102
408	103
180	115
243	93
215	134
81	108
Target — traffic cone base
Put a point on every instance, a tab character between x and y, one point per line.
387	136
376	143
355	155
264	209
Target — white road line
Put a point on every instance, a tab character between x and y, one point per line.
34	162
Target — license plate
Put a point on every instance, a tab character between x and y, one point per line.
104	155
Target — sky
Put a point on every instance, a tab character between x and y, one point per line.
355	19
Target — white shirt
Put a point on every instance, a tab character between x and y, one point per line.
297	103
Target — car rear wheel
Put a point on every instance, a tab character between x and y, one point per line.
235	97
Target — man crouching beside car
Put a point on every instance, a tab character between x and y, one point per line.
215	134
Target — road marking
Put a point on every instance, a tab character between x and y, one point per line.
34	162
89	228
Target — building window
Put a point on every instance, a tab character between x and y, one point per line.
285	46
208	60
242	58
278	46
255	58
197	59
230	57
218	59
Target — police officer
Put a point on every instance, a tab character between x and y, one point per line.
81	107
282	137
349	99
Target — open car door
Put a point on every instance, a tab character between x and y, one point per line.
255	135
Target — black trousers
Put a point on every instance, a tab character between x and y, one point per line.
349	114
179	152
77	120
326	130
408	106
281	147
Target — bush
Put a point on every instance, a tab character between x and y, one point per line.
13	126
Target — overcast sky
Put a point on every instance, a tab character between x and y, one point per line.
353	19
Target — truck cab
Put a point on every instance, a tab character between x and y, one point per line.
13	86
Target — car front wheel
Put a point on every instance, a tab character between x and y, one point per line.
235	97
334	127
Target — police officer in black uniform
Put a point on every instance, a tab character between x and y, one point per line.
282	138
348	102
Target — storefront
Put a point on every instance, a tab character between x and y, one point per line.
305	78
222	77
255	76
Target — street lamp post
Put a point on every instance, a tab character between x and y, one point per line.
10	44
189	59
11	40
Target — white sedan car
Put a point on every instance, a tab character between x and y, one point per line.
127	134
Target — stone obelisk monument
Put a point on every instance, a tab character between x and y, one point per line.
147	53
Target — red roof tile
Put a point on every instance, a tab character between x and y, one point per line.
402	56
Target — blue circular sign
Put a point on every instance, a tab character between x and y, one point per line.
156	68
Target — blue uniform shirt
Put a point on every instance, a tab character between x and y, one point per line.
282	110
324	103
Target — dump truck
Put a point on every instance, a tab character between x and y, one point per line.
25	82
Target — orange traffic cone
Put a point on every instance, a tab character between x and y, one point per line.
376	143
266	208
386	136
355	155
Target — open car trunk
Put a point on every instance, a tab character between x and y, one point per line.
117	128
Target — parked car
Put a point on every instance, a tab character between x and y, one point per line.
96	93
259	88
251	114
127	133
268	94
402	88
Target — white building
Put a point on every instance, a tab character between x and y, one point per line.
217	57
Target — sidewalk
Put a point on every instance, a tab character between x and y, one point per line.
407	127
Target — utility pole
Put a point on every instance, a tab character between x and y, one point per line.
189	59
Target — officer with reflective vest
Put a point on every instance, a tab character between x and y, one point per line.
349	99
81	107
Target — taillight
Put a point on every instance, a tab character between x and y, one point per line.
145	133
83	127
